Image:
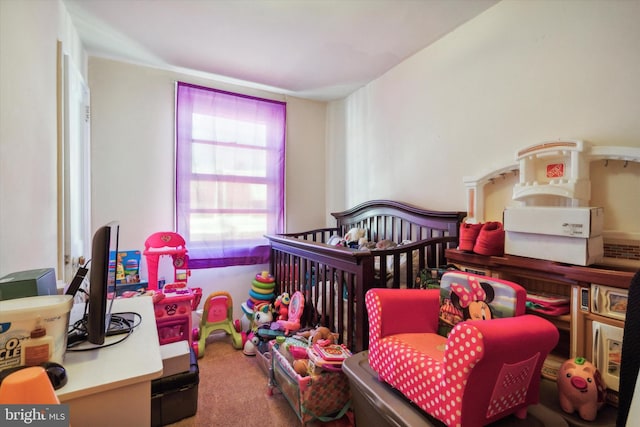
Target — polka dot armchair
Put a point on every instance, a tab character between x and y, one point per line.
483	370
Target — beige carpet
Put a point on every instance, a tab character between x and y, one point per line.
234	391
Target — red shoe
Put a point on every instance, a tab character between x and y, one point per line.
468	235
490	240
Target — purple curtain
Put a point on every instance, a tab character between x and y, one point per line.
230	157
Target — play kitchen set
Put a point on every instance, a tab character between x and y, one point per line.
175	395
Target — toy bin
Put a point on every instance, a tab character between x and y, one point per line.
375	403
175	397
324	396
33	330
264	361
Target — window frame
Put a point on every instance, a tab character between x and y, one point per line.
228	252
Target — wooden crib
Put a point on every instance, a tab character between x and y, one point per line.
334	279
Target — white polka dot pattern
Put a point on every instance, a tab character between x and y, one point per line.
437	385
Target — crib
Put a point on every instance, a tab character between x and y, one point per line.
334	279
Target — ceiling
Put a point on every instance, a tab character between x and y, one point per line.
314	49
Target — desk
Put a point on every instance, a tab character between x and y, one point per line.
112	386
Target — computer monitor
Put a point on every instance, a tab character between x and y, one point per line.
101	274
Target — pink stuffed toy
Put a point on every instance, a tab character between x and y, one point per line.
581	388
282	306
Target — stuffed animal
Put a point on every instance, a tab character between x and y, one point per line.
250	347
301	366
386	244
367	245
581	388
281	306
262	315
320	335
356	237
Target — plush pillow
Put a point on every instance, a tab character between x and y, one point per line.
334	240
466	296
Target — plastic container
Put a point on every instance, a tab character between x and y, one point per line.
375	403
324	396
21	318
175	397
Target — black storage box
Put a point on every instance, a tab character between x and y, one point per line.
175	397
375	403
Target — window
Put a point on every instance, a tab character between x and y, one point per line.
229	175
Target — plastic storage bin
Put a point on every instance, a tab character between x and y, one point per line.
175	397
40	321
375	403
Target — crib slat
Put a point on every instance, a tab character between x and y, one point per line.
334	280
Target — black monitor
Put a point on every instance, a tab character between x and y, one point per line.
101	275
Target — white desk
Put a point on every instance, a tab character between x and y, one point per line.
112	386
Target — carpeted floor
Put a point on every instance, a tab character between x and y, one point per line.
234	391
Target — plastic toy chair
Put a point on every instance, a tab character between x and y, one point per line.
217	315
166	243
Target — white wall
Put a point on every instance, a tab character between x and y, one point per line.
29	31
132	125
521	73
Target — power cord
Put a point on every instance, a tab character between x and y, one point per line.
78	334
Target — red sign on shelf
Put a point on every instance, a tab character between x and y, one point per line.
555	170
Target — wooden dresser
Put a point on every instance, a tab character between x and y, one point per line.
549	277
576	328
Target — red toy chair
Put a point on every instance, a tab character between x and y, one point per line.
481	372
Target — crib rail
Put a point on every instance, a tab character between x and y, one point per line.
320	235
334	279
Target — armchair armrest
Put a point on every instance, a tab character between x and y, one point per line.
401	311
501	336
509	358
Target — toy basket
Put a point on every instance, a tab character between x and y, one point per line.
324	396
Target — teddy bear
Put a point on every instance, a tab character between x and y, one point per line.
356	237
301	366
320	335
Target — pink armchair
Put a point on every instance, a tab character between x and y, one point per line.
483	371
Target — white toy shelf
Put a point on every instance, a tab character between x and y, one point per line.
554	173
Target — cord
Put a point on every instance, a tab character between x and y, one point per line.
121	319
98	347
78	333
